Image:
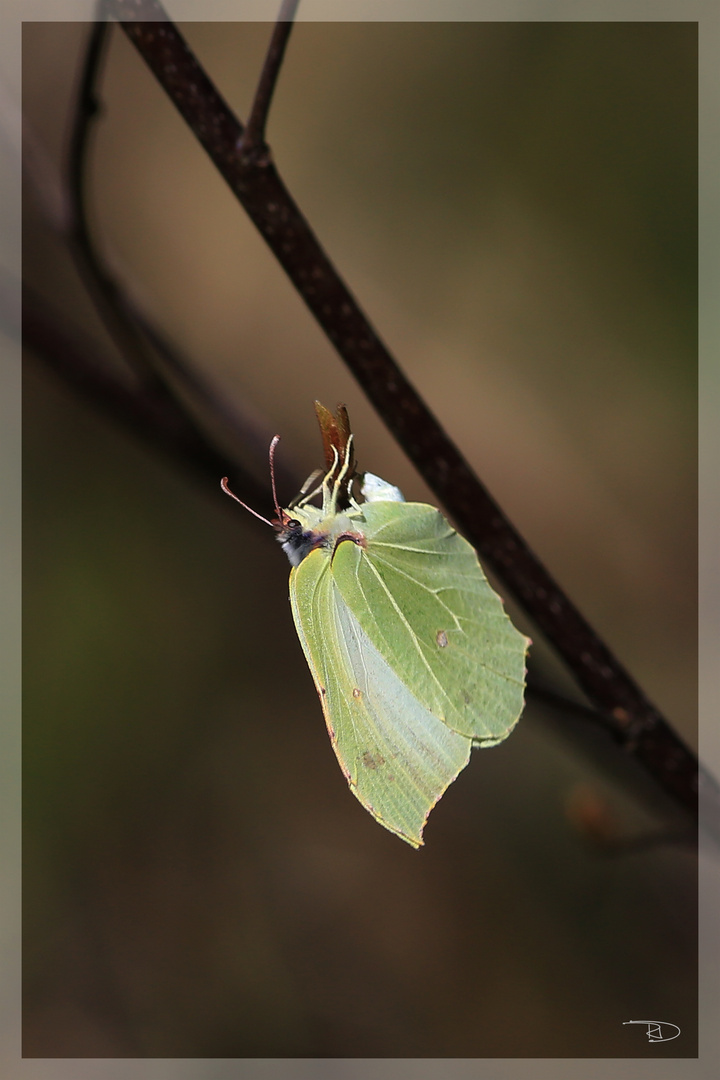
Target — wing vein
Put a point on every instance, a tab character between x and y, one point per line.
408	627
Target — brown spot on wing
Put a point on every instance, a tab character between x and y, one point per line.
372	761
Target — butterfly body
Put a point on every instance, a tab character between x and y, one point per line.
310	530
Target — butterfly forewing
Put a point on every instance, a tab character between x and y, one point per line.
397	756
419	594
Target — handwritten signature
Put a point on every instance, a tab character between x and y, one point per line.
654	1029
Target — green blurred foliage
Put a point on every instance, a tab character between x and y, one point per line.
515	207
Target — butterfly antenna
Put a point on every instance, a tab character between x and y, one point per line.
226	489
271	454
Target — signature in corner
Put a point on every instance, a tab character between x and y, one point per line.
654	1029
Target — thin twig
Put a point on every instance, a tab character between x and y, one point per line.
545	695
76	360
99	282
160	366
637	723
252	140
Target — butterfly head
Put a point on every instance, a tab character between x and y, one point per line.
296	539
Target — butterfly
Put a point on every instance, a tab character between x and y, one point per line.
413	656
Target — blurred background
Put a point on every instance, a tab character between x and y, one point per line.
515	207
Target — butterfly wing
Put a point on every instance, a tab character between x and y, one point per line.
419	594
397	757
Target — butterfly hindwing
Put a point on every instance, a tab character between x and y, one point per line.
419	594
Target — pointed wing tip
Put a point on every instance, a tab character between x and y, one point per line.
415	842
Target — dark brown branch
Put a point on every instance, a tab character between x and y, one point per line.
253	137
637	724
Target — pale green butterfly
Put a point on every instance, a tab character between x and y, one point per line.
413	656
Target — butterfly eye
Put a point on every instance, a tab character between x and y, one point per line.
293	523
